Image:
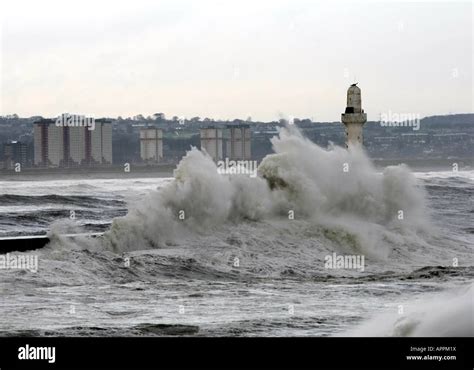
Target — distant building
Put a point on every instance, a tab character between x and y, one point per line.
14	152
238	143
99	144
48	144
212	141
151	144
415	138
72	146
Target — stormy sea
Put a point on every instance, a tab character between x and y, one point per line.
206	254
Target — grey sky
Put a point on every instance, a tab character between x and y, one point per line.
234	58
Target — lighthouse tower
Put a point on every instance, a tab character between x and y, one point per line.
354	117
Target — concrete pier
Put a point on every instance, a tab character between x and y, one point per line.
29	243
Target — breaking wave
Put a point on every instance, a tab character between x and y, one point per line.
335	191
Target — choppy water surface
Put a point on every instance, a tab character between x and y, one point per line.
241	270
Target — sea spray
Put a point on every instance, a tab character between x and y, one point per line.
446	314
333	188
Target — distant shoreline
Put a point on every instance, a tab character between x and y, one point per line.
164	171
113	172
428	164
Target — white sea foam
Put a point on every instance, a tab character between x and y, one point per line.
450	314
336	189
465	174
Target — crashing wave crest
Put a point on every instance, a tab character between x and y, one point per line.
335	189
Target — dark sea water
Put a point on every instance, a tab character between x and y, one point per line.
243	277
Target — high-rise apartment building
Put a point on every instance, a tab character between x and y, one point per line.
72	146
14	152
212	140
151	144
238	143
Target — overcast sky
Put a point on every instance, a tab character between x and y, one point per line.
234	58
